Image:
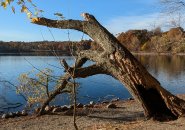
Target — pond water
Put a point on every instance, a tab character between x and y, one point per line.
169	70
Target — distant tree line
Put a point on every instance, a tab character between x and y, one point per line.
172	41
64	47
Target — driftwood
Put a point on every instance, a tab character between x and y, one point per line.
117	61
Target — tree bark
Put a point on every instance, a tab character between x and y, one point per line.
117	61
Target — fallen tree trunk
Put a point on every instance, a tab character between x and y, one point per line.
117	61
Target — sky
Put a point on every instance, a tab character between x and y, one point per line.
116	15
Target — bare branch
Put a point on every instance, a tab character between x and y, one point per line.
66	66
89	71
62	24
172	6
84	72
21	94
91	55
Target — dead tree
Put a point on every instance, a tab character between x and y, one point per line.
117	61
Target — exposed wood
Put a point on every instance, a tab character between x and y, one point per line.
117	61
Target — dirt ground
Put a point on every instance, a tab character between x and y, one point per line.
128	116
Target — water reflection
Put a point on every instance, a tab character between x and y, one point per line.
172	66
169	70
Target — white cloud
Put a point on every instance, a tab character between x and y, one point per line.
124	23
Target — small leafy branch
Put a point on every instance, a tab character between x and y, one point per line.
37	87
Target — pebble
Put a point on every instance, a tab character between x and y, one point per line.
111	105
5	116
105	102
130	99
52	107
115	100
48	109
88	106
80	105
18	113
57	109
37	110
91	103
64	108
12	115
24	113
71	106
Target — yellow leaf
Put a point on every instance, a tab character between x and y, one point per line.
24	9
4	4
8	1
29	15
13	9
34	20
36	13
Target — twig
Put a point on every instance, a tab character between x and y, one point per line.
5	81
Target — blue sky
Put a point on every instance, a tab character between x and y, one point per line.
115	15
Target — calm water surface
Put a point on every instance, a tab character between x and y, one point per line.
169	70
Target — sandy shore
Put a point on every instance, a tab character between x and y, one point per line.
128	116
